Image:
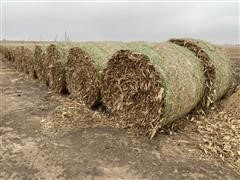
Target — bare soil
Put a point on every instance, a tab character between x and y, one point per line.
30	150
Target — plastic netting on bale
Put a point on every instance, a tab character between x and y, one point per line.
84	66
217	68
149	86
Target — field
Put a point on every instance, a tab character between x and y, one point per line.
45	135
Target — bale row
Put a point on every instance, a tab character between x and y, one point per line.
5	51
145	85
22	55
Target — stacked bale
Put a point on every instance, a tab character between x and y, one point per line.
84	66
217	69
149	86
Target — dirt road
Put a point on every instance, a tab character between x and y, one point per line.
90	153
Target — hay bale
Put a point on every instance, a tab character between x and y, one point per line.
81	76
217	68
22	55
11	52
149	86
83	70
24	61
4	50
40	59
28	60
7	50
17	53
54	67
20	59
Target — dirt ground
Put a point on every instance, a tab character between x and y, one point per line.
32	147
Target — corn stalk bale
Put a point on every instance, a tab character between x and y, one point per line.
18	56
18	53
24	60
11	52
28	60
81	76
54	67
149	86
4	50
217	69
40	60
7	50
22	55
84	66
21	61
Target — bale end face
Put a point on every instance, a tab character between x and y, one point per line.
209	71
131	90
18	56
28	61
54	68
5	51
40	62
81	77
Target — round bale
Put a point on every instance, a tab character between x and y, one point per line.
149	86
217	69
84	67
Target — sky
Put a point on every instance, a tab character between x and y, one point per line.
217	22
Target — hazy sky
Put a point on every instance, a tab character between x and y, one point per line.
217	22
